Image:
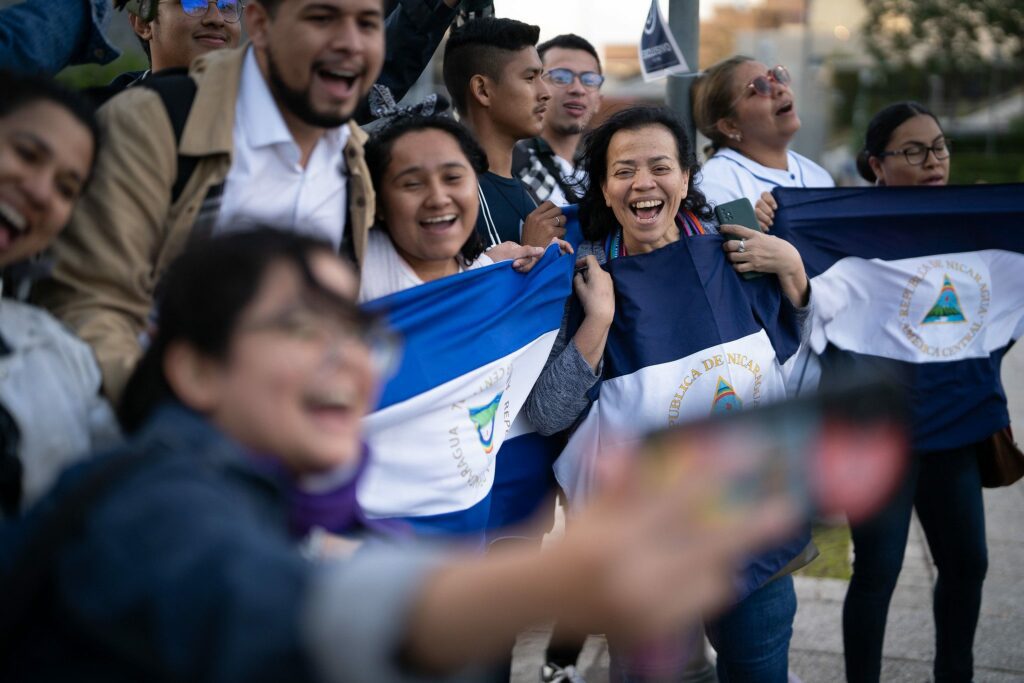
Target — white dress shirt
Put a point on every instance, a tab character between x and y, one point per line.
266	184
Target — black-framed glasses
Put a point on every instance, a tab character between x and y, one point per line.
918	154
230	10
762	85
564	77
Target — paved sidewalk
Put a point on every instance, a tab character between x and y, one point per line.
816	655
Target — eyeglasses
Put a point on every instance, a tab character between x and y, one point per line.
762	85
564	77
230	10
338	330
918	154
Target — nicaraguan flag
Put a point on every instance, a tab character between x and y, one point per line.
474	344
690	337
923	283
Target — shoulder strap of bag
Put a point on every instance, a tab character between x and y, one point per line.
547	159
177	91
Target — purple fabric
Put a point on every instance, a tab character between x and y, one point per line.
335	510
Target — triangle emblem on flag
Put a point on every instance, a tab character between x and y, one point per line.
483	419
725	399
947	307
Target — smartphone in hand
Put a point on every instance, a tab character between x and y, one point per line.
841	452
739	212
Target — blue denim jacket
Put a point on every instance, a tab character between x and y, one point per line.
184	570
47	35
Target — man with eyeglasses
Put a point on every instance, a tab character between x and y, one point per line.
174	34
546	164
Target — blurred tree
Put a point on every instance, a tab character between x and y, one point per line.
957	43
945	35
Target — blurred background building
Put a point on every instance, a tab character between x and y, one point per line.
962	58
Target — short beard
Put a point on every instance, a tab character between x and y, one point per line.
297	101
569	129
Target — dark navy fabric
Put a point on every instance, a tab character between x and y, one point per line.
186	569
460	323
890	223
684	298
950	404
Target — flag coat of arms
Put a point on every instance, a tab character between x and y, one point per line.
923	284
689	338
474	344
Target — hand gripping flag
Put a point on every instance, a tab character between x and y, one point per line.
474	344
689	338
924	284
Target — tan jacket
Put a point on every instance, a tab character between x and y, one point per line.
125	231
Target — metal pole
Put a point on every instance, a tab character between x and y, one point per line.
684	20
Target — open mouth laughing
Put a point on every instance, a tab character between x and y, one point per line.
440	223
336	409
647	210
13	224
340	82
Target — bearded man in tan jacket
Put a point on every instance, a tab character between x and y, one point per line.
268	130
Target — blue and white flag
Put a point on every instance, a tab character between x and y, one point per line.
690	337
926	284
474	345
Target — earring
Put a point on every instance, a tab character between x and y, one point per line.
737	137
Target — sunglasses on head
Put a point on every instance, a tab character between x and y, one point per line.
762	85
563	77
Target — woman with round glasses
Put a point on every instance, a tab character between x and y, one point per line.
905	145
748	112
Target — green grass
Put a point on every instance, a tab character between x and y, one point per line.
834	545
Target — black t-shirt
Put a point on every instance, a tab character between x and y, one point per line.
503	208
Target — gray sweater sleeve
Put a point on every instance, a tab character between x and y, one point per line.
560	394
357	611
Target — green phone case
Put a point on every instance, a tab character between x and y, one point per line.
739	212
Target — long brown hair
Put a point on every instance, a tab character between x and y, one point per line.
713	98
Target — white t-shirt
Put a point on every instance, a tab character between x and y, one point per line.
385	272
729	175
266	184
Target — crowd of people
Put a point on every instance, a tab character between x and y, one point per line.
185	363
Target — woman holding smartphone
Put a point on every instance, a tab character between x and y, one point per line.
642	200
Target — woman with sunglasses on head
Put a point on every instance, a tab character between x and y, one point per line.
905	145
748	112
174	557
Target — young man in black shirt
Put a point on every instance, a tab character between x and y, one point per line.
493	74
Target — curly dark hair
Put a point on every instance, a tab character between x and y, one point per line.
378	157
596	218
